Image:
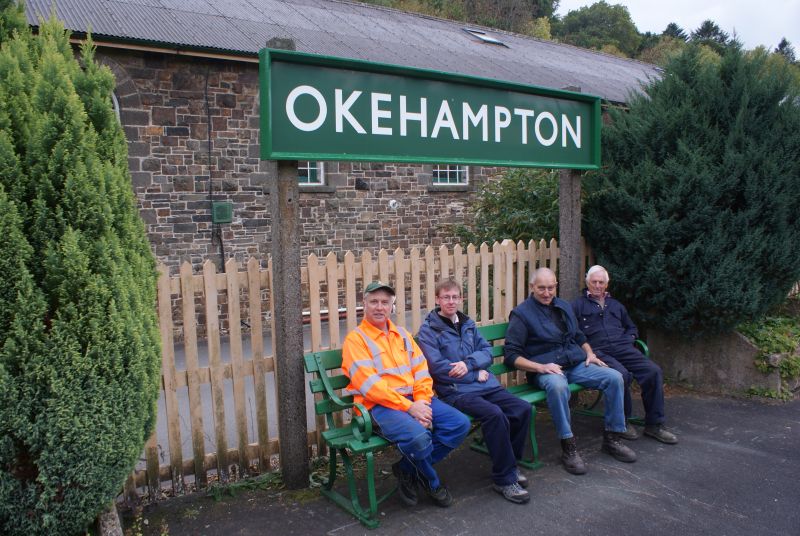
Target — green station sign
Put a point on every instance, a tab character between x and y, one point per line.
323	108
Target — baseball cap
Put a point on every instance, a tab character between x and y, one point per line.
376	285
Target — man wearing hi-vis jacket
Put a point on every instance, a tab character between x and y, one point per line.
389	376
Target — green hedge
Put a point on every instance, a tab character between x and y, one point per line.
695	210
79	346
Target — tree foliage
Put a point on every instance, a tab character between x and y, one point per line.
521	16
695	210
786	50
522	205
675	31
598	25
710	34
79	351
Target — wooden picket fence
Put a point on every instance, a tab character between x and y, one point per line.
222	404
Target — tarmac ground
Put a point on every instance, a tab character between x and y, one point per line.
735	471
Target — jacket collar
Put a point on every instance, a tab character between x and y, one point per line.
374	332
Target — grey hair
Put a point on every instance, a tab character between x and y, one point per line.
594	269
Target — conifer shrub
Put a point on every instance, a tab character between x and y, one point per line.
79	346
695	212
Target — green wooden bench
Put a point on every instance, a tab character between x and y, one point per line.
532	394
348	440
357	438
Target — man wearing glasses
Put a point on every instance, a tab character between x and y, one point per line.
543	339
458	358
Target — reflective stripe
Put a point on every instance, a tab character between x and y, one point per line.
417	360
420	374
356	365
404	389
374	349
368	383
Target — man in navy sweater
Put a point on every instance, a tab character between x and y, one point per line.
458	359
611	332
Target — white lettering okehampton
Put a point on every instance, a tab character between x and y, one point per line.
383	115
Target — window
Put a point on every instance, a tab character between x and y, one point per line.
444	174
310	173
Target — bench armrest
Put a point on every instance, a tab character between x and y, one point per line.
643	347
363	422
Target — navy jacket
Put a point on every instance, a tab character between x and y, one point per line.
533	335
608	327
442	344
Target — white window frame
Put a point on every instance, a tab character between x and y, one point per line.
306	165
461	175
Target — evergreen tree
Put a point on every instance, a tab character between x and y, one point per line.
786	50
675	31
79	351
711	35
695	210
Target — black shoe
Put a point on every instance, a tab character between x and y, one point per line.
657	432
441	497
406	485
612	444
630	433
522	480
513	492
570	458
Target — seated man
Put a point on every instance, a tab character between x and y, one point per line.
389	376
458	359
543	339
611	332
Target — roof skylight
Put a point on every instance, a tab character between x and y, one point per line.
484	37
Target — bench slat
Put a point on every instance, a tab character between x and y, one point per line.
337	382
494	332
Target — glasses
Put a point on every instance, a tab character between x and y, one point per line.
450	298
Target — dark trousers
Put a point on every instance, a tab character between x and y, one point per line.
505	422
631	363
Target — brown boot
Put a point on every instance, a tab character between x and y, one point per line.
570	458
612	444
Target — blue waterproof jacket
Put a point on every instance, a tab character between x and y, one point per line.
607	327
442	344
534	336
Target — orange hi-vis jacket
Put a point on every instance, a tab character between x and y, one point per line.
385	369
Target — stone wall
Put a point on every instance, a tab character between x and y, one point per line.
718	364
165	104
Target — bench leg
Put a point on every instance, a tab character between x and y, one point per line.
352	504
532	463
478	445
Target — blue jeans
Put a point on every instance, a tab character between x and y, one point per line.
421	447
594	376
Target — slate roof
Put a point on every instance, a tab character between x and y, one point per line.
351	30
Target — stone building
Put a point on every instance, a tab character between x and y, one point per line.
187	93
